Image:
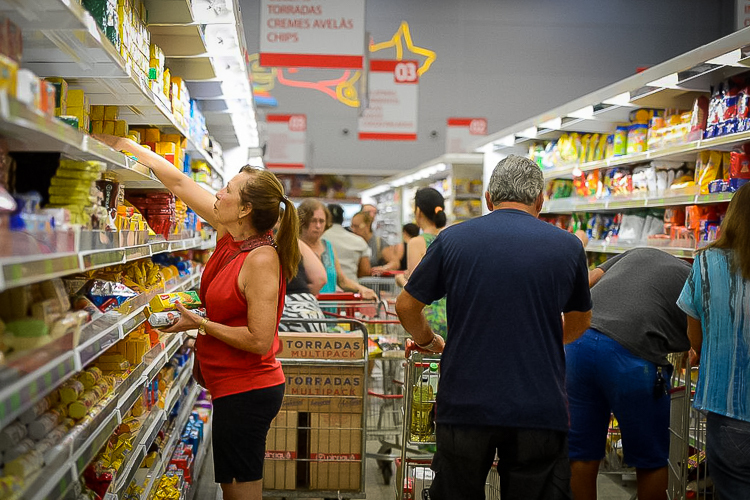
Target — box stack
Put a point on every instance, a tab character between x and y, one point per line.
180	98
136	39
107	17
324	451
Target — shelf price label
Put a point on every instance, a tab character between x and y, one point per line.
461	132
392	111
287	142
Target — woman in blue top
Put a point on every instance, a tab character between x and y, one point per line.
314	219
716	298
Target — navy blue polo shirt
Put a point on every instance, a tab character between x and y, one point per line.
508	277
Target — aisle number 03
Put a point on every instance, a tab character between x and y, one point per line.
405	72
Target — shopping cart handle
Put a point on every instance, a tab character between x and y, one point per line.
339	296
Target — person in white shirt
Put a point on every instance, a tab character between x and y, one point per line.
352	251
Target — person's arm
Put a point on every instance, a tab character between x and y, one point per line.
595	275
392	257
574	324
259	282
182	186
350	285
415	250
409	311
363	268
695	334
314	268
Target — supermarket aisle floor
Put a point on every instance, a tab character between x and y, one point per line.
610	486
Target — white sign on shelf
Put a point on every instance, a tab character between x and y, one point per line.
312	33
460	132
392	113
287	142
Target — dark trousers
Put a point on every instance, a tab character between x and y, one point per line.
532	463
728	456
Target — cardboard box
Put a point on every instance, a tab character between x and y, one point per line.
344	346
324	389
280	464
335	451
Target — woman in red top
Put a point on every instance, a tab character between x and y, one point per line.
242	289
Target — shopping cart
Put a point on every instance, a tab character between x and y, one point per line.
414	476
688	474
386	338
384	286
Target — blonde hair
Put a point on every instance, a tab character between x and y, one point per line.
265	193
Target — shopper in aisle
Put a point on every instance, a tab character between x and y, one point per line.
716	298
314	219
380	252
300	301
509	278
408	231
370	209
429	213
619	366
352	251
242	289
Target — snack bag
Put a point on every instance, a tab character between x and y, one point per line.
710	172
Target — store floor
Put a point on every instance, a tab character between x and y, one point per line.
611	487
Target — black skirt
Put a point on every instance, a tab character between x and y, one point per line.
240	425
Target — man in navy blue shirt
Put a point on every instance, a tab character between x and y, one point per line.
517	290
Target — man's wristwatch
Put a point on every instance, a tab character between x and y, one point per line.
202	326
430	345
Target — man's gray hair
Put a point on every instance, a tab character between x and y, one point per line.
516	179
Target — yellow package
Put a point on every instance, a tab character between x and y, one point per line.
152	135
121	128
97	113
76	98
97	127
166	301
710	172
111	113
591	150
726	163
583	151
108	127
77	191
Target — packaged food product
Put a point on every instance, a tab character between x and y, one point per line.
636	138
70	391
710	171
25	465
166	318
11	435
25	446
90	377
167	301
620	143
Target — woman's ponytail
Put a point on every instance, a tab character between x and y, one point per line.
286	240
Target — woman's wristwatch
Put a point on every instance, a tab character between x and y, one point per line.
430	345
202	326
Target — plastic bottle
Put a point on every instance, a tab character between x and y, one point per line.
434	377
421	407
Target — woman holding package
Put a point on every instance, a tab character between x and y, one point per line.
716	298
429	214
242	289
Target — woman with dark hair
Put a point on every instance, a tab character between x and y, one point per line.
397	253
716	298
242	289
314	219
429	214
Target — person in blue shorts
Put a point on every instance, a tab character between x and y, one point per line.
619	366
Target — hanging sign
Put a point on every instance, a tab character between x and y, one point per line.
461	132
312	33
392	113
287	142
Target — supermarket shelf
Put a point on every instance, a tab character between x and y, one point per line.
70	45
601	247
141	443
175	391
24	270
200	458
684	152
574	204
468	197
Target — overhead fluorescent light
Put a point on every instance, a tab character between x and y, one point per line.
619	100
505	142
553	124
583	113
669	81
529	133
728	59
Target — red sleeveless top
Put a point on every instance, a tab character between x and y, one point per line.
228	370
